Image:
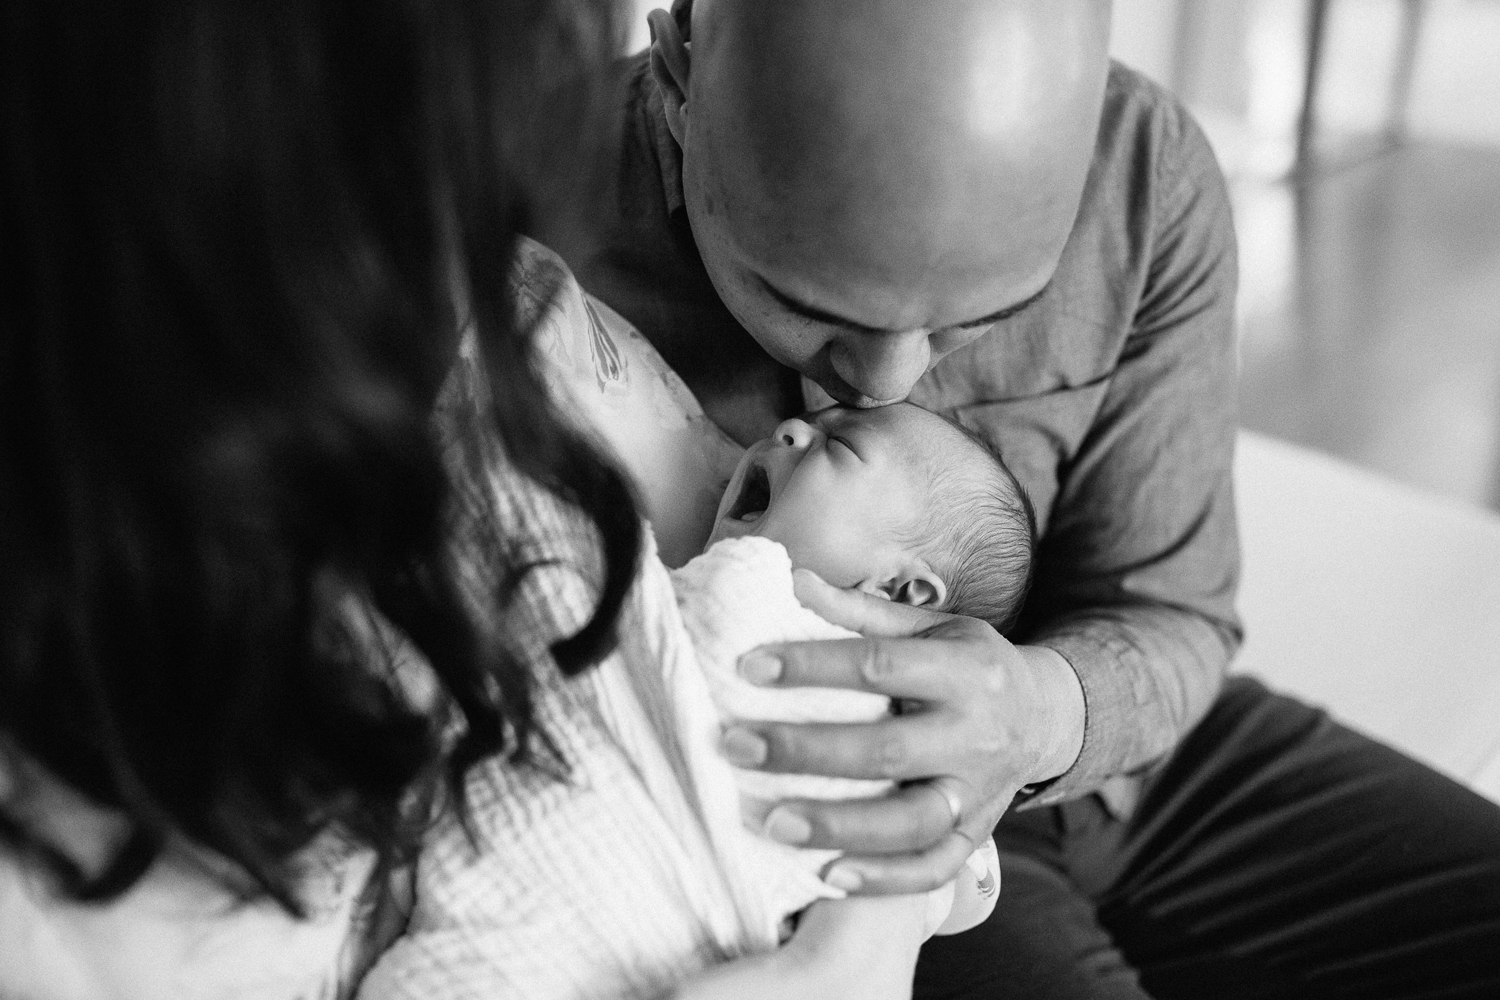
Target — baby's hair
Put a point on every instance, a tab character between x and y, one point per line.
982	526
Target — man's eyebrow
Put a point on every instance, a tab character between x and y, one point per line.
811	312
823	316
1008	311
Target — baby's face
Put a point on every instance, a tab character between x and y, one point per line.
836	488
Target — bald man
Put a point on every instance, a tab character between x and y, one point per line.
963	203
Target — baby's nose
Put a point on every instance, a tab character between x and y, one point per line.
795	433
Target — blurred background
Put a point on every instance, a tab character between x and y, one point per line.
1362	143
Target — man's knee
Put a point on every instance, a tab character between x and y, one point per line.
1043	942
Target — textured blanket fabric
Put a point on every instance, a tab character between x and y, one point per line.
733	598
634	869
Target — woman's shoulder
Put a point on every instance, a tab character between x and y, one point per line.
609	381
179	933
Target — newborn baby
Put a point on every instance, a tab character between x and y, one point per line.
647	861
895	501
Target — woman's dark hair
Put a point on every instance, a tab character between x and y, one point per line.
230	238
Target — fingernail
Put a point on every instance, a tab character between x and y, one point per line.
844	878
759	668
742	747
788	827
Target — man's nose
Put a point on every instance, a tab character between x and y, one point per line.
795	433
882	366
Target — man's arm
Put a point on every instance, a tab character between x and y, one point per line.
1137	574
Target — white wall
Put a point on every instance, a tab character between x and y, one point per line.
1254	48
1145	36
1456	96
640	35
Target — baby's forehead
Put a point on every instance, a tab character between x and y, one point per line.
929	449
951	455
922	432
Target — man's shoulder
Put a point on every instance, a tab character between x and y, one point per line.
1130	85
1153	170
626	83
1145	125
645	179
647	157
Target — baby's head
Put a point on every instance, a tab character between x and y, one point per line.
895	501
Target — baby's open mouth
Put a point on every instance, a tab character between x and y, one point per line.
754	496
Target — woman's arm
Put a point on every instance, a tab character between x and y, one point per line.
179	933
860	949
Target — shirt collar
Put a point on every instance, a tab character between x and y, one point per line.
668	153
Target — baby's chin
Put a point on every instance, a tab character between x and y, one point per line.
728	527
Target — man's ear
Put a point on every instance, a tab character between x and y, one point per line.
916	585
669	67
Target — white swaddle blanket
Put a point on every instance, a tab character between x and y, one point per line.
635	870
734	597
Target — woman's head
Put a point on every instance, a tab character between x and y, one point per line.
236	241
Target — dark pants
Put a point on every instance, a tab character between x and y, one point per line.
1277	855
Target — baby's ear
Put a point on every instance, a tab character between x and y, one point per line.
918	586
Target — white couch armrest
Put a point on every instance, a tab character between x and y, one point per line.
1376	601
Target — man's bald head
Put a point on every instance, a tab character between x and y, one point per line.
905	166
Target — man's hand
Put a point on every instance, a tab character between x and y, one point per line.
980	718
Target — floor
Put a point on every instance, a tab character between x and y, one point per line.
1370	315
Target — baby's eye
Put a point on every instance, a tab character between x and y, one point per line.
838	440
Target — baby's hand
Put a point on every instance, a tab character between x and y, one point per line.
970	898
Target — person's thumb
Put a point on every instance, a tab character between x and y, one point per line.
860	612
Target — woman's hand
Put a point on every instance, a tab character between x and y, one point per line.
981	719
845	949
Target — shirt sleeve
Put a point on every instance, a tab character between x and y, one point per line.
1137	572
